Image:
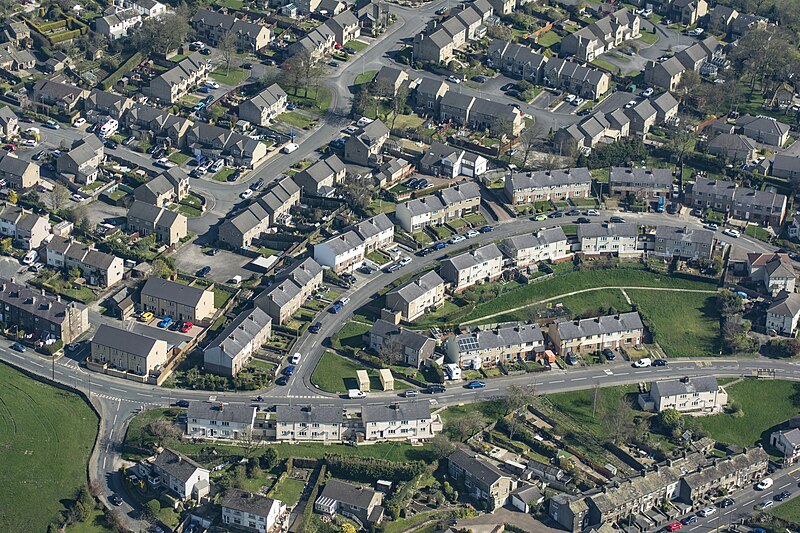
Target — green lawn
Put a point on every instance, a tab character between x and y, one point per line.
574	281
648	37
94	523
318	103
356	45
178	157
765	405
352	334
298	120
758	232
46	435
221	297
579	404
233	4
223	174
378	257
234	76
405	524
548	39
336	374
189	211
602	63
288	491
686	324
405	122
789	511
365	77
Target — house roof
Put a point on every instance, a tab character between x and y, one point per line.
241	331
343	243
763	124
373	226
685	234
600	325
173	291
676	387
322	170
550	178
519	335
534	240
477	468
268	97
58	90
609	229
124	340
469	259
417	287
407	338
398	411
655	177
177	465
460	193
309	414
353	495
791	435
14	165
247	502
35	303
236	413
732	142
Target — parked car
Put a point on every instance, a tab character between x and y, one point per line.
147	316
617	220
456	239
674	526
660	362
486	229
165	322
573	212
556	214
583	220
282	381
186	327
609	354
411	393
52	124
18	347
711	226
245	194
593	213
115	499
289	370
647	93
295	358
707	511
203	272
440	246
731	233
335	308
785	495
315	328
453	79
727	502
29	143
39	155
689	520
764	484
766	504
80	121
290	147
212	84
630	104
471	234
539	217
434	388
475	385
247	66
644	362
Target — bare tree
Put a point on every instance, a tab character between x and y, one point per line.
530	139
518	397
399	102
227	45
359	190
163	430
618	420
681	142
58	197
466	426
440	446
249	443
391	350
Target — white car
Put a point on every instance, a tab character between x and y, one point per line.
570	98
295	358
289	148
712	226
30	257
472	233
644	362
363	121
707	511
578	102
350	130
630	104
79	122
648	92
212	84
29	142
647	12
731	233
457	239
453	79
593	213
404	261
77	197
217	166
764	484
246	194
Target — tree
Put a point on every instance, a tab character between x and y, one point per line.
249	443
295	71
6	245
363	102
58	197
440	446
729	303
227	45
163	430
347	527
681	142
359	190
161	34
151	508
499	31
669	420
618	418
13	197
530	139
690	81
268	459
399	102
391	351
466	426
518	397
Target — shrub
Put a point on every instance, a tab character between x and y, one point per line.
370	469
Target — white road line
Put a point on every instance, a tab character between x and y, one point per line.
577	379
623	373
784	485
557	381
748	502
104	462
37	364
118	390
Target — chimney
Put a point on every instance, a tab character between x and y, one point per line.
644	472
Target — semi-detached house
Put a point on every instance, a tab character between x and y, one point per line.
640	183
620	239
449	162
483	264
232	349
417	296
544	245
292	287
601	36
101	104
264	107
18	173
592	334
701	394
556	185
56	93
320	178
448	204
27	229
169	227
346	251
175	472
117	25
484	482
413	348
172	85
219	421
211	27
683	242
97	268
251	512
81	163
486	348
783	314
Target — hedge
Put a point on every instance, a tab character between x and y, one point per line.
312	497
65	36
115	76
370	469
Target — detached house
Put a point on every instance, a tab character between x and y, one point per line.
232	349
251	512
732	147
413	348
390	77
211	26
788	443
168	226
345	27
485	483
117	25
417	296
145	121
774	271
764	129
9	122
81	163
470	268
55	93
174	471
264	107
699	394
172	185
364	146
783	314
592	334
352	501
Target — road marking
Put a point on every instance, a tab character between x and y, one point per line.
623	373
749	502
608	372
785	485
118	390
557	381
577	379
641	372
104	462
37	364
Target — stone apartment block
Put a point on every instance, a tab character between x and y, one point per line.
232	349
470	268
47	317
544	245
487	348
127	351
592	334
176	300
556	185
417	296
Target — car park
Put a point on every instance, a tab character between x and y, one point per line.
475	385
165	322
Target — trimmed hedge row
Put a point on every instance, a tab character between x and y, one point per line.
369	469
115	76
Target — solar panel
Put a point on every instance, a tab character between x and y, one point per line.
468	344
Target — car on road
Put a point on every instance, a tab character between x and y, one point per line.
295	358
556	214
617	220
660	362
453	79
573	212
583	220
289	148
711	226
674	526
475	385
689	520
457	239
39	155
77	197
314	328
593	213
52	124
165	322
247	66
644	362
245	194
147	316
727	502
486	229
766	504
471	234
115	499
335	308
30	143
18	347
186	327
647	93
289	370
203	272
434	388
706	511
440	246
80	121
539	217
182	403
283	380
785	495
764	484
411	393
731	233
110	144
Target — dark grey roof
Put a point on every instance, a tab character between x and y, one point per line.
685	234
239	414
343	243
124	340
526	334
173	291
786	304
399	411
726	468
176	464
461	192
416	287
241	331
34	302
599	325
407	338
532	240
310	414
247	502
356	496
477	256
14	165
610	229
373	226
548	178
676	387
479	469
643	177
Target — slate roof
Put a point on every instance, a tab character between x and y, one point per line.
550	178
309	414
176	464
268	97
172	291
373	226
478	469
763	123
610	229
343	243
247	502
34	302
460	193
602	325
646	177
685	234
396	412
356	496
676	387
124	340
477	256
14	165
241	331
533	240
239	414
408	338
530	334
418	286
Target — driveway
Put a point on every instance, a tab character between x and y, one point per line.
11	268
224	266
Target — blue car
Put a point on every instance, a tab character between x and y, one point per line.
486	229
289	370
440	246
335	308
165	322
475	385
291	107
18	347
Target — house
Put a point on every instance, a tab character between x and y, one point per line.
732	147
774	271
359	503
9	122
319	179
315	44
211	26
517	60
176	300
27	230
16	32
640	183
279	199
48	318
411	348
597	127
215	142
487	348
295	423
149	8
666	107
100	104
573	77
543	471
686	12
117	25
788	443
18	173
643	117
434	47
569	511
411	421
377	232
55	93
697	395
168	226
232	349
98	268
783	314
448	204
745	22
370	13
722	18
342	253
216	420
763	129
389	79
427	95
81	163
417	296
485	483
264	107
765	206
683	242
450	162
601	36
525	496
345	27
291	289
609	238
172	185
251	512
469	268
481	114
13	59
544	245
176	472
556	185
786	164
364	146
666	74
172	85
593	334
392	171
793	227
127	351
147	122
725	476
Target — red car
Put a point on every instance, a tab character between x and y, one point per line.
186	327
9	147
674	526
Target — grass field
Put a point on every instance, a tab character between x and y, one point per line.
365	77
574	281
789	511
288	491
765	405
298	120
334	373
579	404
580	305
46	435
686	324
234	76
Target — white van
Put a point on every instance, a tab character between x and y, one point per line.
30	257
289	148
217	166
355	394
345	301
644	362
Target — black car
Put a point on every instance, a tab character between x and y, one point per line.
608	354
425	251
555	214
205	51
508	86
257	184
727	502
351	51
660	362
433	389
689	520
513	93
108	143
203	272
314	328
182	403
479	78
573	212
283	380
214	251
115	499
673	209
39	155
617	220
782	496
583	220
247	66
